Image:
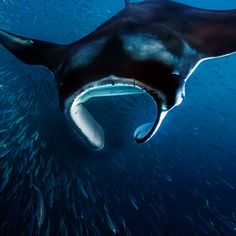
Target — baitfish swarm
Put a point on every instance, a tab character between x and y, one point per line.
48	188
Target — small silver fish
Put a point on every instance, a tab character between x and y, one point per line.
40	206
111	224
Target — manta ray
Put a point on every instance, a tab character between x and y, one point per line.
149	47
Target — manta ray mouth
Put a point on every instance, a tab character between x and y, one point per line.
85	125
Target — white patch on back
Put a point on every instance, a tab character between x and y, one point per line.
143	47
146	47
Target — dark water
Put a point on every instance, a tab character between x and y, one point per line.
182	182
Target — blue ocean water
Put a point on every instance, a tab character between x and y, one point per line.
182	182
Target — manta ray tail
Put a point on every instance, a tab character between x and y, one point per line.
127	2
33	52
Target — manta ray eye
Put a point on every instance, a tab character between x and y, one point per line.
180	96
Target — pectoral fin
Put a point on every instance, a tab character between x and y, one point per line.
33	52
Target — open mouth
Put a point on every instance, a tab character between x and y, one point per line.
86	126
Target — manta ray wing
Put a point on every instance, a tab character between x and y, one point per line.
34	52
210	32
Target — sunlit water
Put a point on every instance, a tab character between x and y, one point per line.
182	182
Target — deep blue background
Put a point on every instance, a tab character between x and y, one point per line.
182	182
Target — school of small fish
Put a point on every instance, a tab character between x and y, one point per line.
179	184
